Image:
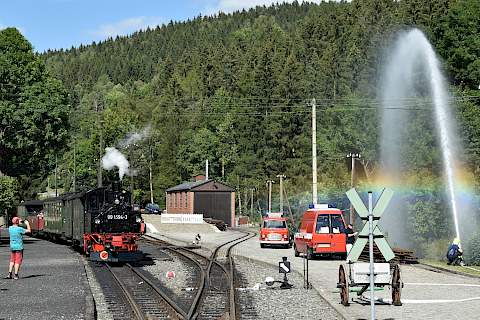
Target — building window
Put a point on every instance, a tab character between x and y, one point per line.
186	199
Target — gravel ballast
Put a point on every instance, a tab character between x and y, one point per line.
275	303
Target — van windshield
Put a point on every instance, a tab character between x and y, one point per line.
274	224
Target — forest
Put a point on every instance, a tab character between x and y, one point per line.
236	89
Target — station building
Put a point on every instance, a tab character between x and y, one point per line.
211	198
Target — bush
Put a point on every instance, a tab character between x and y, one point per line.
435	249
8	193
472	250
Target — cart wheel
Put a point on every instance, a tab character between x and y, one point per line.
343	286
397	285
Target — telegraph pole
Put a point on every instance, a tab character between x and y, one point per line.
251	201
132	197
150	169
353	157
269	183
56	168
281	176
314	152
75	166
100	129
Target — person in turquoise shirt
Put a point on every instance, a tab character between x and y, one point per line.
16	246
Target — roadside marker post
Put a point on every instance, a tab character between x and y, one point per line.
284	267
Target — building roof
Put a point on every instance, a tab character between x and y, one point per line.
191	186
31	203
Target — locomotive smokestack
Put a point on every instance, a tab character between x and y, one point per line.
116	186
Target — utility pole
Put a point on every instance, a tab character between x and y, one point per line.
150	169
269	183
281	176
353	157
100	131
288	204
75	166
56	168
314	152
251	202
132	171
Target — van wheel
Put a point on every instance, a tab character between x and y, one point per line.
262	245
297	254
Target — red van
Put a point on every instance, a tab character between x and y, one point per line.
274	231
321	232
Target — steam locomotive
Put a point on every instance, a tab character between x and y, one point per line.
102	222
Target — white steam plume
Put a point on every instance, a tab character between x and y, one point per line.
133	137
114	158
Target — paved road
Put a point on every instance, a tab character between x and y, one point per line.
426	295
51	284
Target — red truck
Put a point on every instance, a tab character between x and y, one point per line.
321	232
274	231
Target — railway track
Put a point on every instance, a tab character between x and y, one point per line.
215	293
129	294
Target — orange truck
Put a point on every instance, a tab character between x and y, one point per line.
274	231
321	232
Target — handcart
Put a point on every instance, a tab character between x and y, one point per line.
359	276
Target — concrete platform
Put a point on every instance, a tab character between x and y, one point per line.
52	283
426	295
154	224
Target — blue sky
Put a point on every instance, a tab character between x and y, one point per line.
54	24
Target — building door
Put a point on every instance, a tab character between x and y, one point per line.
216	205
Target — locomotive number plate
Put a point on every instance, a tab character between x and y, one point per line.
117	216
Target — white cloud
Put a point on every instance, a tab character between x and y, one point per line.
228	6
127	26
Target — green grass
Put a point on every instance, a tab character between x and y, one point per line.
442	264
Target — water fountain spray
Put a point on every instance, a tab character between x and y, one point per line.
412	53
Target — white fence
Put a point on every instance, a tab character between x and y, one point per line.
181	218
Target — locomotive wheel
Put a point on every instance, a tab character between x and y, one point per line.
343	286
397	285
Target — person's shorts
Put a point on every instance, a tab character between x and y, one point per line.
16	256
